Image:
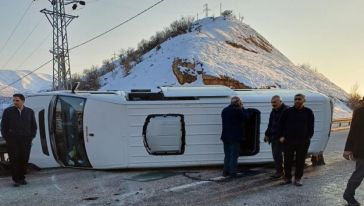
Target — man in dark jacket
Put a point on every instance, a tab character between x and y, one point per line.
296	131
232	134
354	150
18	128
272	134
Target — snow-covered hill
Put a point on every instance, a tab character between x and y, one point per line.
35	82
222	51
222	48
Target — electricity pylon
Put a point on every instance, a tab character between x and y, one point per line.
61	60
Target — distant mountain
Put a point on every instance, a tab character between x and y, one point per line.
33	83
225	51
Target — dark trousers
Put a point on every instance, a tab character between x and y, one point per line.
19	151
355	179
277	152
231	151
290	150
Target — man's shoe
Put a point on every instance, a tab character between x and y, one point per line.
298	182
286	182
225	174
16	184
277	175
23	182
351	200
233	175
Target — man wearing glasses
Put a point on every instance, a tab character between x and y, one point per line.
272	135
18	128
296	131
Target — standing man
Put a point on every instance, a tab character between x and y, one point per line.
296	131
232	134
354	150
18	128
272	134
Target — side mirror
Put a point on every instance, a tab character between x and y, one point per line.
75	87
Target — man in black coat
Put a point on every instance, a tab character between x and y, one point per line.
232	134
354	150
18	128
296	131
272	134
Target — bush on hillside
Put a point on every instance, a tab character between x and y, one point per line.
128	58
107	66
131	56
89	80
227	13
354	97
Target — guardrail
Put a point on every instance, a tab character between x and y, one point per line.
341	124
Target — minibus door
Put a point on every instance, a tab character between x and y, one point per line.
66	131
249	145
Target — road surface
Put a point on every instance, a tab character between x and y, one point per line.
323	185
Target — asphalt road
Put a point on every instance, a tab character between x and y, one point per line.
323	185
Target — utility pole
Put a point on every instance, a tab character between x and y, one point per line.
220	9
206	9
61	61
113	57
241	17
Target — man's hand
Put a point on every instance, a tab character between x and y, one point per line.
348	155
282	139
266	139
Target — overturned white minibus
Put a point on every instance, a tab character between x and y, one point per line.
177	126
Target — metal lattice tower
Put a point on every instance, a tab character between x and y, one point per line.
61	60
206	9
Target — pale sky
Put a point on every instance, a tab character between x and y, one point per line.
327	34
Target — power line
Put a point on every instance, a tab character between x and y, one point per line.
85	42
35	50
39	46
16	26
22	44
113	28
